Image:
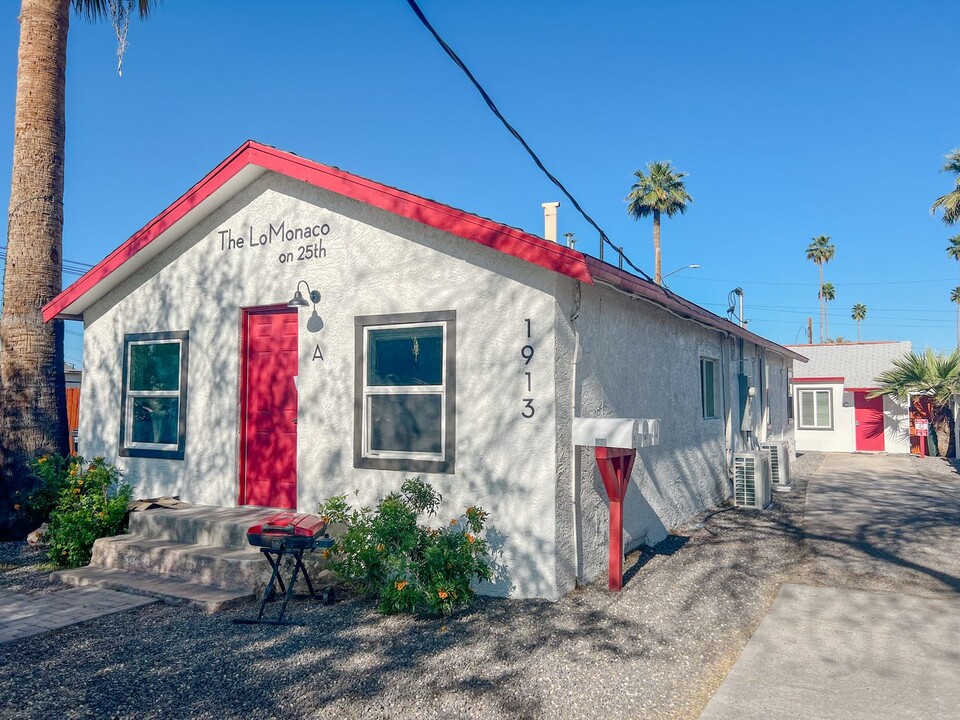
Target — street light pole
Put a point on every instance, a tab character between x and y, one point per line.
692	266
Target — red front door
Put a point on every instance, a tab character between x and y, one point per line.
869	419
268	421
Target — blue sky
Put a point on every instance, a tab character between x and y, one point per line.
793	120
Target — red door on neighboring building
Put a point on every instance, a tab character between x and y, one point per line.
268	408
869	420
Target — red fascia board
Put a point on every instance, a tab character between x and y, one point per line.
820	380
495	235
658	295
866	389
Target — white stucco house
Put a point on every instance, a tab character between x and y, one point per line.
832	410
427	341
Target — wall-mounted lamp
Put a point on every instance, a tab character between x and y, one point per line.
299	301
315	323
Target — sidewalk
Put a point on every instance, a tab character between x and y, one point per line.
23	615
872	631
838	653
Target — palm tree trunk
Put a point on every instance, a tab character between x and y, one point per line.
826	317
658	275
858	331
32	397
820	299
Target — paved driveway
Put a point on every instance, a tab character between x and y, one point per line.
871	627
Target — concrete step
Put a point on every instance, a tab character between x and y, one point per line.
204	564
171	590
199	524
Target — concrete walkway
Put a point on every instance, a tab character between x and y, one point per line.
873	630
25	615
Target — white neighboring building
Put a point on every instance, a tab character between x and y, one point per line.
440	344
831	408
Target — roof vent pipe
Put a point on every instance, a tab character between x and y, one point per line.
550	220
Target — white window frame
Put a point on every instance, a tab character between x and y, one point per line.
129	448
801	425
369	391
410	462
715	364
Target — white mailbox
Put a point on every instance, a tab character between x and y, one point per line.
616	432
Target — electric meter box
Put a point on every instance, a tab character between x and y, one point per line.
616	432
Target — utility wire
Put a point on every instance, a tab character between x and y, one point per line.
493	107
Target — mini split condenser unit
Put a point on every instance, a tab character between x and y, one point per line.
779	462
751	479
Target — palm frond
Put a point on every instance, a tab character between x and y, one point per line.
94	10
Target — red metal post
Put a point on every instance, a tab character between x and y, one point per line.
615	466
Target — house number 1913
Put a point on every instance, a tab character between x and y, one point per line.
527	352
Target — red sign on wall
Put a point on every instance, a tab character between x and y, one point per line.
921	427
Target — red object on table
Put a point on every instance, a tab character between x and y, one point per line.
615	466
293	529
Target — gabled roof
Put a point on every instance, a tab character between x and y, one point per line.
856	365
252	159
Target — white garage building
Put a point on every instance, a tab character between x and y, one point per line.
833	410
430	342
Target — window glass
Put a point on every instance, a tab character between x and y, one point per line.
406	423
154	395
405	356
815	409
406	392
823	409
155	420
155	366
708	387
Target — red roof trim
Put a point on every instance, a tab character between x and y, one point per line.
494	235
822	380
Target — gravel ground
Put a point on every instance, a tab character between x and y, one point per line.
658	649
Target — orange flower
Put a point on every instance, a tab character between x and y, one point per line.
453	521
76	491
442	594
326	554
401	585
470	538
17	506
381	547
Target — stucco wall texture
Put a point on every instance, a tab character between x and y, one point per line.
632	360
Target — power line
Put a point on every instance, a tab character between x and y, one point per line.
70	267
513	131
809	284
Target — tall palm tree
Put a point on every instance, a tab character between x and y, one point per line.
662	191
955	298
950	203
827	295
931	374
32	397
821	251
953	249
859	313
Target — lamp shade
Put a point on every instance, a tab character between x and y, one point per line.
298	300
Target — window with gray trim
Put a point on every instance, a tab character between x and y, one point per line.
816	409
708	388
154	395
405	404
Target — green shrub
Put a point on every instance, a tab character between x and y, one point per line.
407	567
92	504
53	475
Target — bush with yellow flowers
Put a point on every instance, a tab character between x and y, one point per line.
92	504
387	555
